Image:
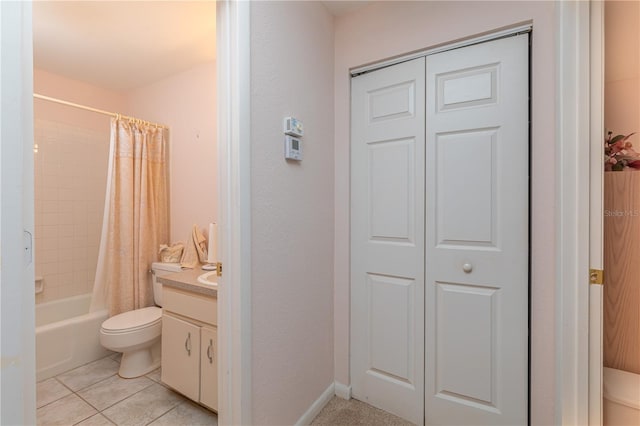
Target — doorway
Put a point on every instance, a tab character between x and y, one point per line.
439	240
621	210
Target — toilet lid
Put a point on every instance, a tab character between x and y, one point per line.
132	320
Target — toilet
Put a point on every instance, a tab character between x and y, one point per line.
621	392
137	333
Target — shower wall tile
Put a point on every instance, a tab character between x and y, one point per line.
65	266
70	172
50	231
65	231
65	243
65	254
49	205
66	208
49	256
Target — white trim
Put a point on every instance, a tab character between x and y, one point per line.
596	213
317	405
17	297
572	279
234	311
343	391
443	48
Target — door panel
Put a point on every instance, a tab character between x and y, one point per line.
391	326
392	209
387	239
477	235
181	356
462	373
209	367
466	208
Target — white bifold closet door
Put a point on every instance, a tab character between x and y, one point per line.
387	238
439	241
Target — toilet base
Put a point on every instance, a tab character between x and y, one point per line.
139	362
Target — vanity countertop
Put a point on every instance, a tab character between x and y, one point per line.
187	280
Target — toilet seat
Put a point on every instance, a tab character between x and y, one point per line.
131	321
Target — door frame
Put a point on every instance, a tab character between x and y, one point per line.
596	211
17	297
16	211
579	197
234	196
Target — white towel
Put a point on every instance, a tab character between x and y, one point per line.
195	251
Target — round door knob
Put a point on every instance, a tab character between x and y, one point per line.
467	267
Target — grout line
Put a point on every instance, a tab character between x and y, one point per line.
57	399
93	384
91	415
124	399
165	413
182	399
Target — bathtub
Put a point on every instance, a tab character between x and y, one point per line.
621	398
67	335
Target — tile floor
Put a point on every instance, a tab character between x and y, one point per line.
94	394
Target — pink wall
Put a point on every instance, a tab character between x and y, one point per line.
186	102
622	68
383	30
57	86
291	209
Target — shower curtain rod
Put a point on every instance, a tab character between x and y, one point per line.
100	111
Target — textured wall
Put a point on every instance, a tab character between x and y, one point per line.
291	209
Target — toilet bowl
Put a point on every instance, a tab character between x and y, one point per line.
137	333
621	393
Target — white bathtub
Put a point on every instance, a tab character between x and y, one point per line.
67	335
621	398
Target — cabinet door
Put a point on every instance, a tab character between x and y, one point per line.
181	356
209	368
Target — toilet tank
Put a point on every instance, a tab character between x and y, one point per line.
159	269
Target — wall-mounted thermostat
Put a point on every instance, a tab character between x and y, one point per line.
292	148
293	127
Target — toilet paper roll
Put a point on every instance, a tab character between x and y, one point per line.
212	249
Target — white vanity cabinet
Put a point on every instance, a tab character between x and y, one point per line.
189	345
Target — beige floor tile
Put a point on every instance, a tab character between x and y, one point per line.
143	407
50	390
155	375
66	411
96	420
114	389
89	374
187	414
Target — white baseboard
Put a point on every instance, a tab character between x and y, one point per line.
343	391
318	405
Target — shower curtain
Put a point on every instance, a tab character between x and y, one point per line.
136	216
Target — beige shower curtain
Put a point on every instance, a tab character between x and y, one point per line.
136	218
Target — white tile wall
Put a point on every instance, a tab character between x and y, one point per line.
70	181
